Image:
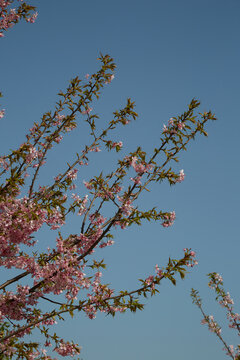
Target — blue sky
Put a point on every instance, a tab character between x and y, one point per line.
167	52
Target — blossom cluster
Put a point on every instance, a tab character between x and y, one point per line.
212	324
126	206
181	176
140	167
67	349
173	126
169	219
224	299
193	261
19	219
119	144
10	16
32	18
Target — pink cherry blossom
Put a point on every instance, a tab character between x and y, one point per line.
149	280
58	139
180	125
169	219
72	174
87	111
67	349
108	243
110	79
158	271
97	219
59	118
218	278
126	207
114	144
140	167
165	129
95	149
88	185
136	180
83	208
181	177
33	18
2	113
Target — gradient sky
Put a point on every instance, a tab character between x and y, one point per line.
167	52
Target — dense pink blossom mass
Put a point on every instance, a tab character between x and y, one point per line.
10	16
108	203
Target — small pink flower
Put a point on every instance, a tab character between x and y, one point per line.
181	176
58	139
33	18
136	180
169	219
120	144
110	79
165	129
140	168
59	118
180	125
87	111
2	113
88	185
108	243
95	149
218	278
72	174
158	271
67	349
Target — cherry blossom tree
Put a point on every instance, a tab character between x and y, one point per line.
59	274
226	302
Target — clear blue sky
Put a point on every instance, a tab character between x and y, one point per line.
167	52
